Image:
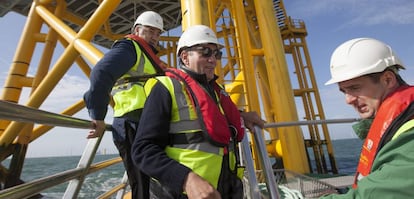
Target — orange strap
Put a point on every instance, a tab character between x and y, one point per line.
155	60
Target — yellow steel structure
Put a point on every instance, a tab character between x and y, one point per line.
257	34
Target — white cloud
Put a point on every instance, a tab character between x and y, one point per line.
356	12
69	90
386	13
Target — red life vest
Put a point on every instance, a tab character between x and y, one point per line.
390	108
216	122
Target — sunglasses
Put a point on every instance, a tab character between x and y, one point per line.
207	52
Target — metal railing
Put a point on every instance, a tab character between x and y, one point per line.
307	122
15	112
76	176
264	160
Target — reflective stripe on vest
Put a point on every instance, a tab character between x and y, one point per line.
131	96
202	146
183	120
404	128
202	157
184	117
217	114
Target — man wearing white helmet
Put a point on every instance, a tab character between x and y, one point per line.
366	71
187	144
122	72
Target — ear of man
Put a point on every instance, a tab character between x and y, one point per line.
390	79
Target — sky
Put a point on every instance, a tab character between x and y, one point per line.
329	23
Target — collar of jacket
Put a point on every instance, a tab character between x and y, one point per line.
154	49
136	38
200	78
361	128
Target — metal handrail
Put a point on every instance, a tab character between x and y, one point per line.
16	112
36	186
264	161
119	189
308	122
250	171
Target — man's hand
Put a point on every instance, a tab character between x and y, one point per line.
98	129
198	188
251	119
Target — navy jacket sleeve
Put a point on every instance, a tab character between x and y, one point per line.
116	62
152	138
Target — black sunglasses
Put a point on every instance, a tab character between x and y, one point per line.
207	52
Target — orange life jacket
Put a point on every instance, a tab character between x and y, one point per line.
380	131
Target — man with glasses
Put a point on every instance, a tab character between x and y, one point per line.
188	142
122	72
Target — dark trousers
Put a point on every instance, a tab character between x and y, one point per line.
230	186
124	131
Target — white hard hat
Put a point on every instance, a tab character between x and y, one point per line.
361	56
150	18
197	34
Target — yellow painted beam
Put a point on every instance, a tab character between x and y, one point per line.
281	91
70	54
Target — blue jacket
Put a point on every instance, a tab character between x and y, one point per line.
116	62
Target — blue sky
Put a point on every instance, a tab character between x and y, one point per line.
328	22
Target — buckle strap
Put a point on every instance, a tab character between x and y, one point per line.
187	138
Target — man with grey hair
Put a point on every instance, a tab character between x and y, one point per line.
123	72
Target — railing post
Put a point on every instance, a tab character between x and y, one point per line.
249	165
265	163
120	194
72	190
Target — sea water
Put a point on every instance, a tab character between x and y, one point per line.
346	153
94	184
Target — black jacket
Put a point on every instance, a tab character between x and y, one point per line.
152	138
